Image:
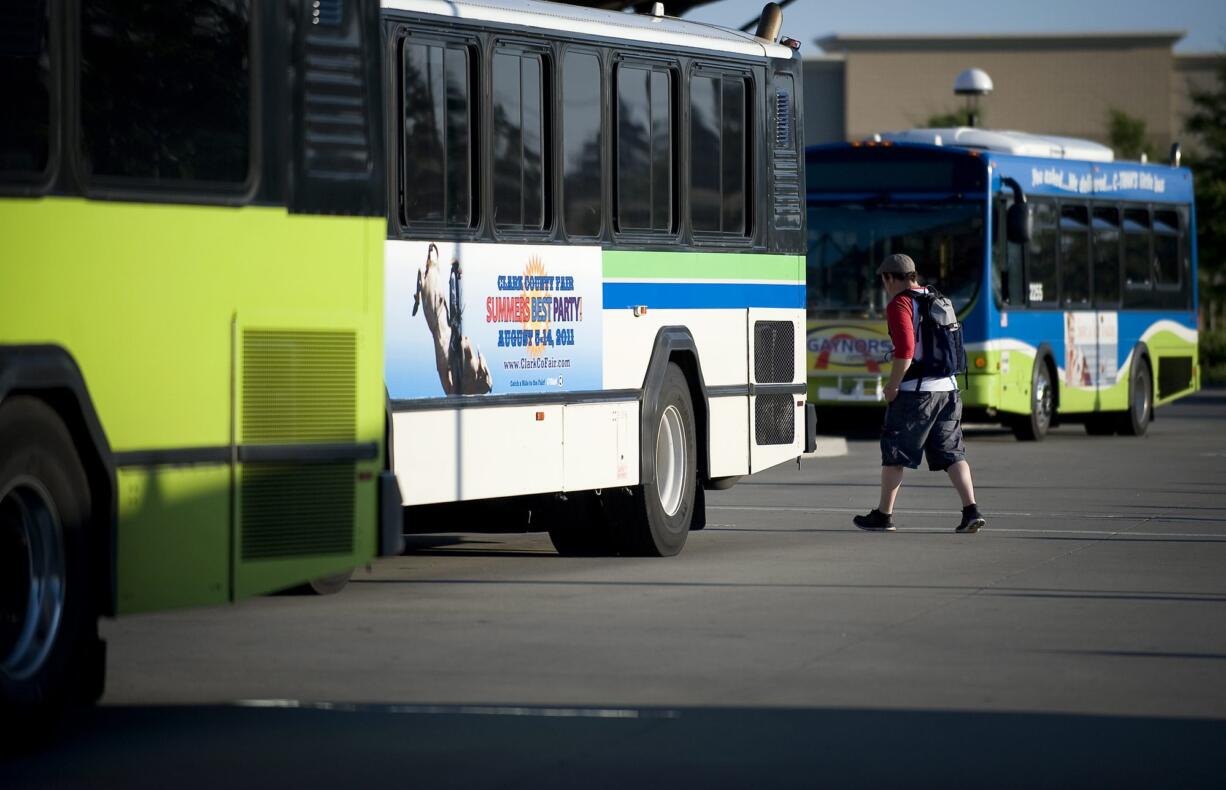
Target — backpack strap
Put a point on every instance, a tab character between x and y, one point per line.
918	306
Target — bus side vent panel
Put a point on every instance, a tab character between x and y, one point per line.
1174	375
298	387
774	352
295	510
774	419
336	143
338	137
783	120
787	202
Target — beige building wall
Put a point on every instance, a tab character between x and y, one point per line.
1049	84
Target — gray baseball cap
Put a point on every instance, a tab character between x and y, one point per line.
896	264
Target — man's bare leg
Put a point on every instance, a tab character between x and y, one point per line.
960	474
891	479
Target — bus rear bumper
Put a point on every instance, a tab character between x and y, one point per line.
810	427
391	516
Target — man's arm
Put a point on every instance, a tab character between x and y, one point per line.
898	369
898	318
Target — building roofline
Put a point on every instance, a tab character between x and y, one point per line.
1196	58
834	42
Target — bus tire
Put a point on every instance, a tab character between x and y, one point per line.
661	508
1135	421
50	653
1033	427
330	585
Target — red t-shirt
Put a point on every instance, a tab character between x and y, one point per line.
900	318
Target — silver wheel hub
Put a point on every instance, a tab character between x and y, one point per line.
670	460
1141	402
32	576
1042	400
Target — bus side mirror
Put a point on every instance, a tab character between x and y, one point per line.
1019	222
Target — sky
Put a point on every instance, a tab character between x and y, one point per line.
806	20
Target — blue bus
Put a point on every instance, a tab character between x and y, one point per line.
1074	275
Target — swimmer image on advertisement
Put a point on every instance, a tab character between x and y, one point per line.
465	320
461	368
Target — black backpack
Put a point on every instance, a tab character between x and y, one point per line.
938	330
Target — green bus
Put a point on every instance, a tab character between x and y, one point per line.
192	219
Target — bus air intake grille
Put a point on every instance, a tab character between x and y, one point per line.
299	387
336	145
297	510
1174	375
774	352
774	419
783	119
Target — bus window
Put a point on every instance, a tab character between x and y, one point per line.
1166	249
718	135
1106	232
438	151
1138	267
1075	256
25	62
1007	261
848	241
518	134
582	142
1041	257
644	148
176	112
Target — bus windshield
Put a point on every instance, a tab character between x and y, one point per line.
847	241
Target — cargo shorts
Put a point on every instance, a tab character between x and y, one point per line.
923	422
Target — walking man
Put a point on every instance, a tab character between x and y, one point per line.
924	411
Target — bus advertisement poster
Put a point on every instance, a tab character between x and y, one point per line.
477	319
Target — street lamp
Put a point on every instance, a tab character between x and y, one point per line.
972	83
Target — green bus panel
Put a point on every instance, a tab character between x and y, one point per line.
151	301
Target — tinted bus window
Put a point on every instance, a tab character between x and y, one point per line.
1138	278
438	150
1075	256
1166	249
177	111
582	141
644	148
846	242
26	65
519	172
718	153
1041	256
1106	231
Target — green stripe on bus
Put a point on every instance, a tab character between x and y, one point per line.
703	266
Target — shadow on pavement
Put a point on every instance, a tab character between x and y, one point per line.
478	747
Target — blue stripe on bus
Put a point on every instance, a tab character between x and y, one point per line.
710	296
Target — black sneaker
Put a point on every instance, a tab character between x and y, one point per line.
971	523
876	521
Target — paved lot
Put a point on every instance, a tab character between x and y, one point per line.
1080	640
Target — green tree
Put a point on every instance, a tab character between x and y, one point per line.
947	120
1208	121
1128	135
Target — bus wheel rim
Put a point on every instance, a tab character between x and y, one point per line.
1141	402
32	602
1043	400
670	460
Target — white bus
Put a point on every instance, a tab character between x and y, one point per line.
594	268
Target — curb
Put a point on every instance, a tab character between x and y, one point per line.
828	447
